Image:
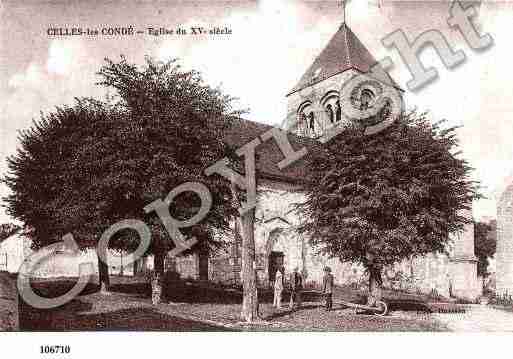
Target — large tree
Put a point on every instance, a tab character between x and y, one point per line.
52	189
485	244
386	197
81	169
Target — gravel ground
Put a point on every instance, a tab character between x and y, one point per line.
128	307
478	318
133	312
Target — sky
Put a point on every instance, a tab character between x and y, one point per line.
271	45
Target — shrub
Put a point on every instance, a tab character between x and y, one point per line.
505	299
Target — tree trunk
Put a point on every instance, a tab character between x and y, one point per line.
142	266
375	283
249	282
103	276
136	266
203	266
159	263
157	278
121	269
236	253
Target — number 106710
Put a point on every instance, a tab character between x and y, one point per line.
55	349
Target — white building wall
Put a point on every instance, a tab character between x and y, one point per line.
11	253
504	254
62	264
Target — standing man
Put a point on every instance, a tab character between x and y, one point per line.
327	289
296	286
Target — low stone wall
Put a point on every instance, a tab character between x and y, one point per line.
9	316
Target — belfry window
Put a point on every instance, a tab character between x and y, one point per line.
330	106
339	112
331	114
311	121
366	98
385	111
305	118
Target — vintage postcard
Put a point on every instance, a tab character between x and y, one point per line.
255	165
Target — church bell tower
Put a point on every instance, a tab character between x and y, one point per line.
342	84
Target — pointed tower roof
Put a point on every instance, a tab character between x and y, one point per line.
343	52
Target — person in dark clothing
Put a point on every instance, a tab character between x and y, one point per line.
327	289
296	286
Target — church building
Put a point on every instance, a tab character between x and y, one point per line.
320	101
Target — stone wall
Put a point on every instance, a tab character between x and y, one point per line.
223	269
430	274
9	319
314	95
188	266
504	254
275	230
341	86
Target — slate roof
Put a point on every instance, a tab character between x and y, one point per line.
343	52
268	154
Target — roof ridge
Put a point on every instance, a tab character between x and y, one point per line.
343	51
348	57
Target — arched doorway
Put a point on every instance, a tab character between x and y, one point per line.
283	249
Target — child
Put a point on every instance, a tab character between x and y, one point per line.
278	288
156	288
327	289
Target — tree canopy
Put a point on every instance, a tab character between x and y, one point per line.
82	168
386	197
485	244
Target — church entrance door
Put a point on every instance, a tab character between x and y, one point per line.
275	263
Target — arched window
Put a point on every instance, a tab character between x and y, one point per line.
330	112
385	111
366	98
339	111
302	122
311	121
329	104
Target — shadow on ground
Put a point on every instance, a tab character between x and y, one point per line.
76	315
79	314
73	318
203	293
